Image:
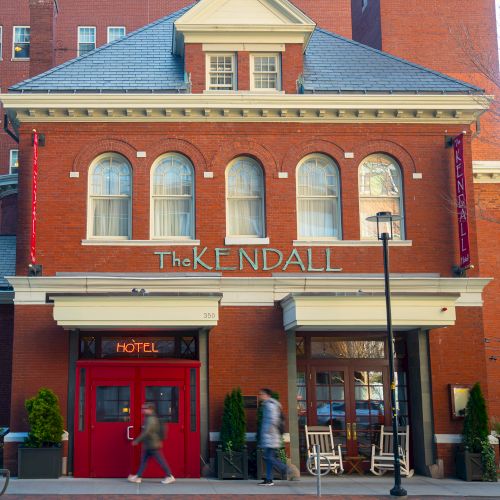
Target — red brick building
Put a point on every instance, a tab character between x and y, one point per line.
211	174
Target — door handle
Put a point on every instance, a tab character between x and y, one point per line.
129	428
348	430
354	432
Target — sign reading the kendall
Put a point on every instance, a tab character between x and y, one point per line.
258	259
461	192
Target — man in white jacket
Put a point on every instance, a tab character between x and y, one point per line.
270	439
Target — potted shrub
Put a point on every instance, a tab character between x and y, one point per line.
260	463
475	459
232	456
40	456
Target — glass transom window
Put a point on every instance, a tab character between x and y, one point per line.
221	72
245	198
172	197
318	200
110	197
21	45
380	190
266	75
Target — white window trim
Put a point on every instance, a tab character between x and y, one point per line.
116	27
207	71
10	161
90	236
174	239
1	43
246	237
14	58
78	38
325	239
278	70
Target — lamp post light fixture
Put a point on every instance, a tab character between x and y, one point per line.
384	222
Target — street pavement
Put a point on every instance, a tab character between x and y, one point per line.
343	487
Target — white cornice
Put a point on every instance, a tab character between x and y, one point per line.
486	172
245	107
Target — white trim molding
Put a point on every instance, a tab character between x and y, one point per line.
141	243
350	243
486	172
447	438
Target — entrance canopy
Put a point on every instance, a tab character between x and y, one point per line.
366	311
160	310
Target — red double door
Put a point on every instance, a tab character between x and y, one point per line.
108	416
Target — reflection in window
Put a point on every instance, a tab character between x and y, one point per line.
113	403
193	393
380	190
300	347
328	347
166	401
318	201
21	45
245	199
402	398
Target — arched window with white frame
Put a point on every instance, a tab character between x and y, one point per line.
380	190
110	187
318	198
245	198
172	197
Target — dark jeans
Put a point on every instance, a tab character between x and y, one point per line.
272	460
158	455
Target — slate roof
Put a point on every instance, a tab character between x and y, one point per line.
7	259
143	61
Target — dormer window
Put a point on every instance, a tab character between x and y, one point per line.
265	72
221	72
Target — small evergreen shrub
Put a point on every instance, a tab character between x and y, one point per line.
45	420
233	429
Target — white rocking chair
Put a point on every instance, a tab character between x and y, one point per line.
383	456
329	454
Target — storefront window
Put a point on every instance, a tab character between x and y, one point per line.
328	347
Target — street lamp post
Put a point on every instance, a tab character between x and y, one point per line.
384	222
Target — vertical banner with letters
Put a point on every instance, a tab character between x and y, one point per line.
33	198
461	193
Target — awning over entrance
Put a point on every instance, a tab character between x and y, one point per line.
366	311
168	310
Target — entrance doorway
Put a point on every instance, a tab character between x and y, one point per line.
109	397
344	382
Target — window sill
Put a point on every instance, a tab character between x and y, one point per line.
20	59
241	240
350	243
141	243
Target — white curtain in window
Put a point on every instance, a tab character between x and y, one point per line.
110	197
173	197
317	198
379	191
245	195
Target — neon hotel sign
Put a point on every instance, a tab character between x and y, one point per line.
135	347
258	259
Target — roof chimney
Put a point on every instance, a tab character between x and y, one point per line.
42	35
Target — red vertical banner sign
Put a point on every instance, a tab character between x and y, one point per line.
33	197
461	193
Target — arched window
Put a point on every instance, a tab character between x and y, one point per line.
110	197
172	197
318	198
245	198
380	190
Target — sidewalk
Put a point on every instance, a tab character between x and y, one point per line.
364	487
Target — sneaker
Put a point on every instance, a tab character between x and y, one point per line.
134	479
293	473
168	480
266	483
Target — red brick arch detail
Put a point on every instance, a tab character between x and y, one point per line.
230	151
320	146
186	148
400	154
109	145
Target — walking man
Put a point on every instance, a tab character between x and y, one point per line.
270	439
152	444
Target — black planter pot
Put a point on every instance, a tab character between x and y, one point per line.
469	465
39	463
261	467
232	465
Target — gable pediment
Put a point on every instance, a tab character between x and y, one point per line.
243	21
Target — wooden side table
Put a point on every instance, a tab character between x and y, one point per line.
355	463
